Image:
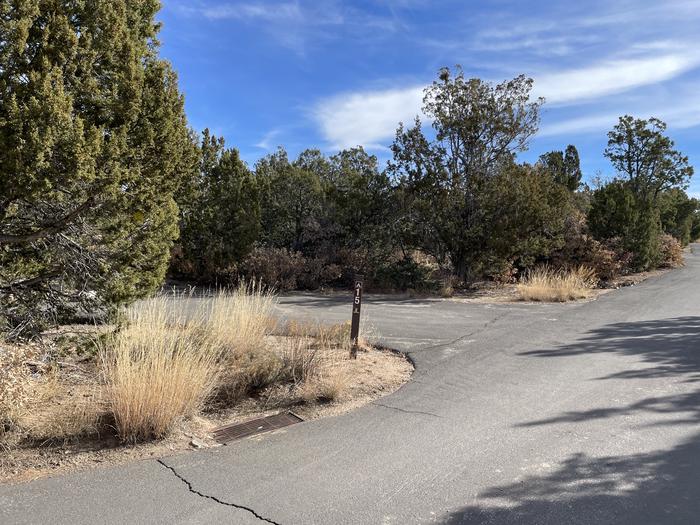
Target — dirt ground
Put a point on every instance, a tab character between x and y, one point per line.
27	456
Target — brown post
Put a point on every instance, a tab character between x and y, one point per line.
355	325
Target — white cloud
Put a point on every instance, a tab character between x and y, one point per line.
370	118
612	77
579	125
296	24
366	118
680	110
266	142
269	11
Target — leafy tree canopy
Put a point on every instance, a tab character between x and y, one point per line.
479	127
642	154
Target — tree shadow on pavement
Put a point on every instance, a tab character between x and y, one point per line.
672	346
655	488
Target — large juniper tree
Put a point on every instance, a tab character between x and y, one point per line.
93	145
647	167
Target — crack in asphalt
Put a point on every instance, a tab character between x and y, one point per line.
406	411
461	337
214	498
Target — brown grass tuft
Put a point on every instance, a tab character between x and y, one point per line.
549	284
15	390
326	387
158	369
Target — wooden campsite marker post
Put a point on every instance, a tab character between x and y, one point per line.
355	324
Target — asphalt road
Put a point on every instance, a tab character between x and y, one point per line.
517	413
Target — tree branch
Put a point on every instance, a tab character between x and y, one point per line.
57	226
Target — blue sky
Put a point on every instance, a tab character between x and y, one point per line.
332	74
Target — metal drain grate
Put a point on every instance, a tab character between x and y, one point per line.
235	431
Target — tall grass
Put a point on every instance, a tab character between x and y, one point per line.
239	320
175	351
14	386
159	368
557	285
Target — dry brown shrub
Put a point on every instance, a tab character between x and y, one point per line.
671	252
558	285
608	259
288	270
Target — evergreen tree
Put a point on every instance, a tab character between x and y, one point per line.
563	167
220	218
632	207
93	146
616	212
361	215
291	202
572	168
677	212
479	128
641	153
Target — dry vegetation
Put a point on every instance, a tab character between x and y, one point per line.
557	285
179	364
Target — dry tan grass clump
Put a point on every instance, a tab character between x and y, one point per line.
237	323
325	387
557	285
176	351
15	389
239	320
63	412
159	368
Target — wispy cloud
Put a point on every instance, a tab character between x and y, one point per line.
366	118
251	11
613	76
680	109
299	23
370	118
266	142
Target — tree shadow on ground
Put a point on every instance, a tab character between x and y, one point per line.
672	346
655	488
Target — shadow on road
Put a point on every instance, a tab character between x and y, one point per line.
671	345
658	487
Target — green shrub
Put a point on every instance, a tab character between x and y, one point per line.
403	274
